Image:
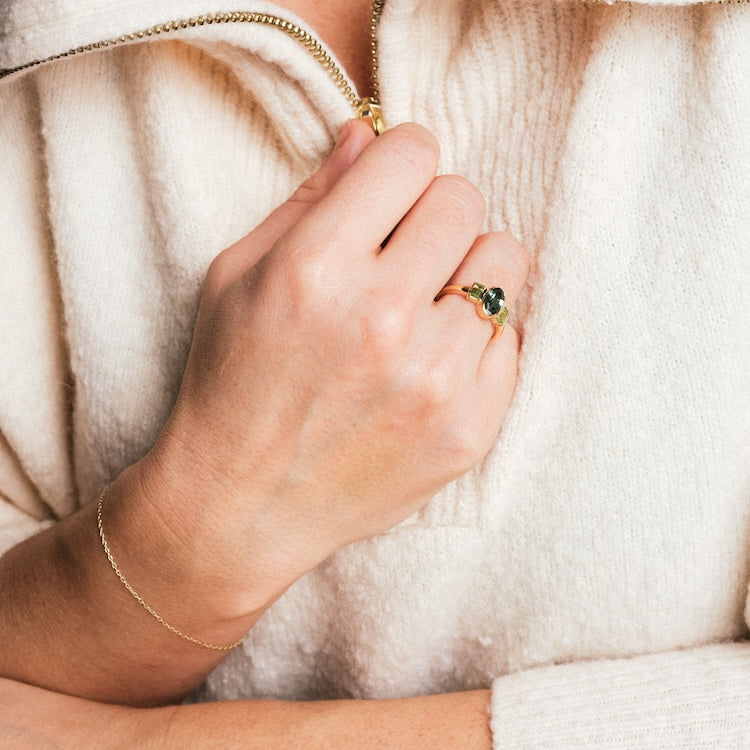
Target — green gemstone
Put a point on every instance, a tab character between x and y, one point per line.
493	301
477	291
502	317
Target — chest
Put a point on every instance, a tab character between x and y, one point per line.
344	29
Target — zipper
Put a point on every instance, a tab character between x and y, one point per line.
370	106
362	106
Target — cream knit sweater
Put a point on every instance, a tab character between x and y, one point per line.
596	565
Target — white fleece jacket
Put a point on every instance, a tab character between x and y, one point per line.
595	566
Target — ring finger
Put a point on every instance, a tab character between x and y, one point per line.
495	260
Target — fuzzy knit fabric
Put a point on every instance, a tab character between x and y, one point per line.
594	568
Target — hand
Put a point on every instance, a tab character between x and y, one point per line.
327	395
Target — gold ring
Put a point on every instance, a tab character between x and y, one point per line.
489	302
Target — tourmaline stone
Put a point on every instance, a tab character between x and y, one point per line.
477	291
502	317
493	302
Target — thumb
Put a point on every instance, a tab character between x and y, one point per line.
353	139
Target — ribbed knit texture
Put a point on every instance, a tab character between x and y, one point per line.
611	518
678	699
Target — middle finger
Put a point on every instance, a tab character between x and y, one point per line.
434	237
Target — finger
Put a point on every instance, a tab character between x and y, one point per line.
432	239
496	377
354	138
371	197
494	260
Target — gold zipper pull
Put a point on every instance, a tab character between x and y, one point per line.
369	107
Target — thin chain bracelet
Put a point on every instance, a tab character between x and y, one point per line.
139	598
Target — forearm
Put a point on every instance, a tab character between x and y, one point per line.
68	624
437	722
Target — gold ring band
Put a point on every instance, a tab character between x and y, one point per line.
489	302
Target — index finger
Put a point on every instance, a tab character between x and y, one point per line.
373	195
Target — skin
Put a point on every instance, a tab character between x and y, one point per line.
345	27
35	719
266	486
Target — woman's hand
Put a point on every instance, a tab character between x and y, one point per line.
327	395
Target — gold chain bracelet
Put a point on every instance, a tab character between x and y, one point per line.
139	598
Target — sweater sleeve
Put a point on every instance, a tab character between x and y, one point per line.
22	512
37	482
15	526
696	697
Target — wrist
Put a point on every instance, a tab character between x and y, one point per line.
35	717
223	548
163	569
131	562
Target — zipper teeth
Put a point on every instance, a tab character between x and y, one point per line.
304	37
375	13
311	44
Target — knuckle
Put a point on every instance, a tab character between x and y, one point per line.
463	197
431	394
302	276
309	270
245	259
440	390
469	444
414	145
221	273
216	270
517	254
307	193
383	329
